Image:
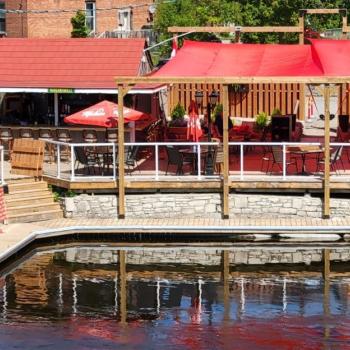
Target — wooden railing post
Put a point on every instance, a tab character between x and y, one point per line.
301	26
326	186
122	302
121	156
225	186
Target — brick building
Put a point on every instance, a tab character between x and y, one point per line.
127	18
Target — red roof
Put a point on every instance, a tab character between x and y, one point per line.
68	63
321	58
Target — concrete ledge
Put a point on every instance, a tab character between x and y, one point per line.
297	233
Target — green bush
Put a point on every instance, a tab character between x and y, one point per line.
177	116
276	112
261	120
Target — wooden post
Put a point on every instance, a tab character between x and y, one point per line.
122	286
326	187
121	153
226	194
302	102
301	26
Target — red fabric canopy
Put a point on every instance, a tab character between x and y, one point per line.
104	114
321	58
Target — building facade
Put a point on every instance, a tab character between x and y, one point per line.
52	18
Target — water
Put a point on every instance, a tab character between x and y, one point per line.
173	298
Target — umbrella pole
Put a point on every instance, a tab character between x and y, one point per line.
121	154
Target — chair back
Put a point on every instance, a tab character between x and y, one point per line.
63	135
80	155
46	134
132	155
6	134
336	155
277	154
90	135
343	121
26	133
174	156
112	135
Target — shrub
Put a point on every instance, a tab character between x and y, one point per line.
261	121
276	112
177	116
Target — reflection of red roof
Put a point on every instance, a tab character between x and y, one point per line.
68	63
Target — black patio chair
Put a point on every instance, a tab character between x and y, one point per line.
89	161
277	158
335	158
131	158
175	157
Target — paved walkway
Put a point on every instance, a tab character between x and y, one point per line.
15	236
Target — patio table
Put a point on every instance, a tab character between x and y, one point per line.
303	151
192	154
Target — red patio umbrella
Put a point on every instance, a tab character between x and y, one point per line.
194	130
104	114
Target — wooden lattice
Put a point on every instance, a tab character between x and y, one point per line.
27	157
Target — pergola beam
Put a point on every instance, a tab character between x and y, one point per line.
233	29
231	80
324	11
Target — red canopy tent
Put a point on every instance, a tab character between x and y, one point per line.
105	114
323	58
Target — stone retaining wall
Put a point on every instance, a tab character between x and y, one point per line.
167	205
206	257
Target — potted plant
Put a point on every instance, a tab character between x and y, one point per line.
261	121
177	127
276	112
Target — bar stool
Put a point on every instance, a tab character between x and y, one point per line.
90	135
26	133
63	135
47	135
112	135
6	139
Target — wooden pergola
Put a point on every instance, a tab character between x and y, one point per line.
125	83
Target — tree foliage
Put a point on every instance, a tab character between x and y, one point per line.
79	27
244	13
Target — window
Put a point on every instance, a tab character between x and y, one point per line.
90	15
124	19
2	17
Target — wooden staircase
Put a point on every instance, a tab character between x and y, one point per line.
28	200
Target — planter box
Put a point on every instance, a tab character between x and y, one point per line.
177	133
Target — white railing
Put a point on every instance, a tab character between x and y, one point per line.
64	167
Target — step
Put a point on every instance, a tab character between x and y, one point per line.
27	194
20	180
22	186
29	209
14	202
40	216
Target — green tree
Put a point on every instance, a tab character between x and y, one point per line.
79	27
244	13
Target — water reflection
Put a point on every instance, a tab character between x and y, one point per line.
193	298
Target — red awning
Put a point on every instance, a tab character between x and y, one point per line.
321	58
104	114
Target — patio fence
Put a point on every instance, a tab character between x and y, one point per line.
99	161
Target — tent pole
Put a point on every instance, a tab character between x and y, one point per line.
121	153
326	187
225	102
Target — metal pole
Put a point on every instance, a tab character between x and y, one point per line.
209	168
58	161
157	161
72	162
